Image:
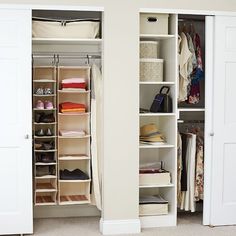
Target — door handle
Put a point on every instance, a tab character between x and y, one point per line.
212	134
27	136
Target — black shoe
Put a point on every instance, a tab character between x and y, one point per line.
47	118
45	158
76	174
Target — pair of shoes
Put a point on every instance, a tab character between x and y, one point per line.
45	91
45	158
76	174
43	105
44	118
45	170
44	145
41	132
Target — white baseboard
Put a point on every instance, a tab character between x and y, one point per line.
108	227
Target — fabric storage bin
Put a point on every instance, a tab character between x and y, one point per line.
151	69
63	29
154	179
149	49
154	23
153	209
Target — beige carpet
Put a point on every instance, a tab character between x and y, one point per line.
188	225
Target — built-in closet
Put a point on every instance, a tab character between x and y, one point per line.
64	113
161	164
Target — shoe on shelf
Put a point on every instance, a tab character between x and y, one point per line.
38	116
48	145
39	91
47	91
39	132
49	132
75	174
45	158
45	170
48	105
39	105
47	118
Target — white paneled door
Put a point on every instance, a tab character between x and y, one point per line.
223	194
15	118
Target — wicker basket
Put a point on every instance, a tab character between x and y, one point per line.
149	49
151	69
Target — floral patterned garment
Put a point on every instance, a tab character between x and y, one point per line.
199	179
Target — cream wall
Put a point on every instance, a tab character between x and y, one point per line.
121	44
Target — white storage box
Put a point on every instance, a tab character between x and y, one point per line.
154	23
151	69
154	179
149	49
75	29
153	209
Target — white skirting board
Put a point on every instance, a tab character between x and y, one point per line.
65	211
112	227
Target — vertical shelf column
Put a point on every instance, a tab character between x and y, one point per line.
167	125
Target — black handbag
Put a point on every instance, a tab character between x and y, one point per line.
162	101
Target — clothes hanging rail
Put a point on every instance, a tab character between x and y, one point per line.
56	57
190	20
191	121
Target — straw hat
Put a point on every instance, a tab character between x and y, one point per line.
150	133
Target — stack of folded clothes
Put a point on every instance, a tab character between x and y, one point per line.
149	134
71	107
76	84
72	133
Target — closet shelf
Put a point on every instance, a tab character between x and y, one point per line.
156	36
53	109
153	82
50	150
73	158
142	146
190	109
46	95
46	177
156	114
45	190
45	164
66	41
44	137
44	81
74	137
74	92
53	123
74	114
74	181
73	199
157	186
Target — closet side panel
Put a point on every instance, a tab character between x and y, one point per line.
15	137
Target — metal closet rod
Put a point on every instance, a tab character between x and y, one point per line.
90	56
183	20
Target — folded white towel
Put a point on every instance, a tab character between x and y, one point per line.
73	80
72	133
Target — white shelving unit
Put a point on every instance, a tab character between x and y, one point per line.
166	123
74	151
45	187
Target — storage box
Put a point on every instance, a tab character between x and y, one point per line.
151	69
154	179
153	209
149	49
78	29
154	23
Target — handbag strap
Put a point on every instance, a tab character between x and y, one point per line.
167	90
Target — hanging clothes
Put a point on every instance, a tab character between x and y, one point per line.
96	131
184	59
190	169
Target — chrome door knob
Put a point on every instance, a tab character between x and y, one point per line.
27	136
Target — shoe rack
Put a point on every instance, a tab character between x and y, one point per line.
45	184
68	153
74	152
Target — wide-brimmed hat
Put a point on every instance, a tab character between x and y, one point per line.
150	133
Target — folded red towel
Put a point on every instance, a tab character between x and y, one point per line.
74	85
71	105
